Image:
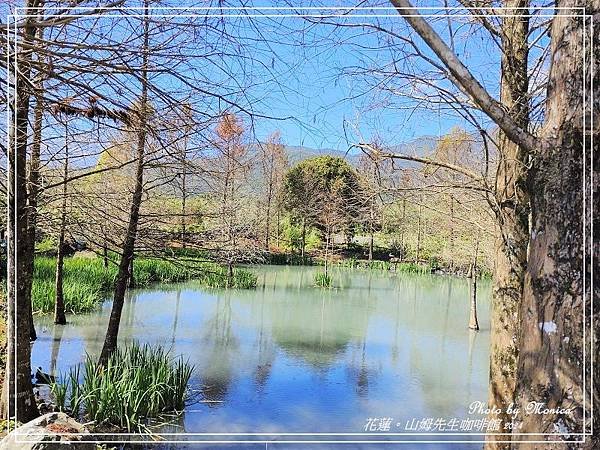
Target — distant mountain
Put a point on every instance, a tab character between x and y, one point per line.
297	153
422	146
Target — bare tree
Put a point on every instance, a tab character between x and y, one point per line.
273	162
125	266
547	306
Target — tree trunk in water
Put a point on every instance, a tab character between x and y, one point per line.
17	394
553	360
59	301
473	322
123	275
32	194
33	187
513	217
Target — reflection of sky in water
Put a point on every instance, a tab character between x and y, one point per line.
288	357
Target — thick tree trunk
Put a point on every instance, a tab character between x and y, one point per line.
513	218
123	275
32	193
33	188
553	359
17	394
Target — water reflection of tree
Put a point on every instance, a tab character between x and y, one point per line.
219	345
318	333
56	339
266	349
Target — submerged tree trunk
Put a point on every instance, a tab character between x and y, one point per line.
17	394
473	321
553	342
513	218
123	275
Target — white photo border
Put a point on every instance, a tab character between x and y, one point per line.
549	12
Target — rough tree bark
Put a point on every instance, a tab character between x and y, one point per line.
551	364
123	275
33	187
17	394
512	215
32	194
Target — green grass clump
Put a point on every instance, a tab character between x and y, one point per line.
407	267
139	382
87	282
410	267
322	280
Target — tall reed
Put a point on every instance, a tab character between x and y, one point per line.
87	282
138	383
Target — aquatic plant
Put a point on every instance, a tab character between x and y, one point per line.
322	280
138	382
87	282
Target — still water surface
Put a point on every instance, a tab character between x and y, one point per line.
289	357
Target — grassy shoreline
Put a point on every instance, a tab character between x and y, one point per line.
87	282
429	267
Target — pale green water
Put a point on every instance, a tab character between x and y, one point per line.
289	357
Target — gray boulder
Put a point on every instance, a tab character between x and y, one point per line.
46	433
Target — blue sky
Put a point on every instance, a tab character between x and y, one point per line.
318	76
321	85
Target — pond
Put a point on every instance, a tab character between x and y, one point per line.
292	358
